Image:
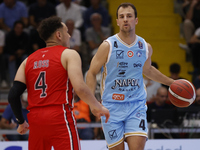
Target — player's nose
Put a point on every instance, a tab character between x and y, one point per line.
125	19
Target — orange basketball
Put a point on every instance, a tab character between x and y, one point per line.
181	93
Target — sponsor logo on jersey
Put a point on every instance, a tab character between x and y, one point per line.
140	45
133	95
119	54
121	73
118	97
139	53
122	64
112	134
130	53
126	83
137	65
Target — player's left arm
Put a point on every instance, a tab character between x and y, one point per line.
154	74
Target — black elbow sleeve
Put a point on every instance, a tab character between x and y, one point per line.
14	99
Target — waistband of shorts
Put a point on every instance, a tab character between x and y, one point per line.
52	107
124	102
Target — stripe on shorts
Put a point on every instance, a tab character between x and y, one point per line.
135	133
74	139
68	128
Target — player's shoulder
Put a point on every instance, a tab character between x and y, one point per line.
149	46
70	53
141	38
113	37
105	45
108	42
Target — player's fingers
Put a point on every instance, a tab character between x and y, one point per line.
21	132
25	130
107	115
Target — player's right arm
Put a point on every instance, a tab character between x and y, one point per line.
15	92
97	62
72	62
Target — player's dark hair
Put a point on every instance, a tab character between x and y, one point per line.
175	68
48	26
125	5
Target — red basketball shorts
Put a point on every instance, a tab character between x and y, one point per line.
52	126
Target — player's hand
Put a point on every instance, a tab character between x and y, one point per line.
23	128
101	111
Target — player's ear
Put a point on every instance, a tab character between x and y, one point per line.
136	20
58	35
117	22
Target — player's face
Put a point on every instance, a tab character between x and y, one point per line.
126	19
65	36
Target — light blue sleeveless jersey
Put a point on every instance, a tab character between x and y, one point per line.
122	79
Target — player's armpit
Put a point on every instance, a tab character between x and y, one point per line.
100	58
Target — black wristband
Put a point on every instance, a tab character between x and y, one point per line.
14	99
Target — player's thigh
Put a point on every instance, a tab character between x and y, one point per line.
136	142
118	147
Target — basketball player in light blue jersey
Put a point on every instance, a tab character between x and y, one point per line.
125	57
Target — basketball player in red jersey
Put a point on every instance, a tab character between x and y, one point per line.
50	74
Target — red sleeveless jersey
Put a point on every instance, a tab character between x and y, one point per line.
46	79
